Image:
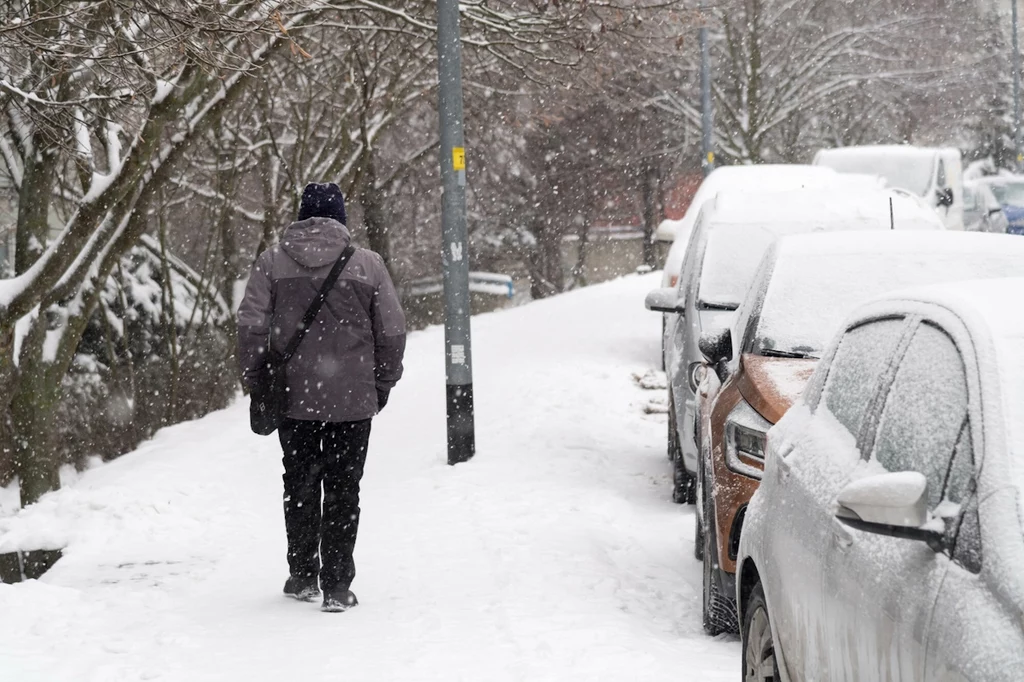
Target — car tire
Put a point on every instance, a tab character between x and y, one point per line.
673	430
760	664
684	484
698	539
664	328
719	612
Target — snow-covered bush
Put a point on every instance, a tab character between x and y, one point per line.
152	355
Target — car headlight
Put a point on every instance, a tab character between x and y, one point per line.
745	437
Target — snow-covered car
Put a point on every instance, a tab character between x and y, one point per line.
805	286
1009	192
934	174
905	461
982	211
730	236
759	178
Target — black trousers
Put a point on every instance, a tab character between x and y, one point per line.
327	455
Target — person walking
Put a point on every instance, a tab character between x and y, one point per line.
338	379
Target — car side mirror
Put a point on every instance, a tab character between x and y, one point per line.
944	196
716	346
663	300
891	504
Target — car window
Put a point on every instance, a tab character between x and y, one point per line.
940	178
971	199
967	550
694	254
924	410
963	530
859	363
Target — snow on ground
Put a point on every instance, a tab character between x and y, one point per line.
555	554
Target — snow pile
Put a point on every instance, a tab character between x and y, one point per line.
555	555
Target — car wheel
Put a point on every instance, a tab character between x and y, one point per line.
719	611
684	484
698	539
664	328
759	661
673	430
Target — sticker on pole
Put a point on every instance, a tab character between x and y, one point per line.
458	354
459	158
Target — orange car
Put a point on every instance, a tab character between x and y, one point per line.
805	288
735	418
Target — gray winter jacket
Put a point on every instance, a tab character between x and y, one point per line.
354	347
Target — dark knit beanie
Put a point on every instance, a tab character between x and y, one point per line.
322	200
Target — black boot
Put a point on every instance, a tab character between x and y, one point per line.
303	589
339	599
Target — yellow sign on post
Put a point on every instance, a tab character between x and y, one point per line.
459	158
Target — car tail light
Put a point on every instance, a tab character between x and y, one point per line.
745	437
673	281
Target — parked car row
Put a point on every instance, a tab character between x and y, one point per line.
840	366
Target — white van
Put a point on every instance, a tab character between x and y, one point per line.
932	173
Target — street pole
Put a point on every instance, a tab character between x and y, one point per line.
1016	90
707	145
454	247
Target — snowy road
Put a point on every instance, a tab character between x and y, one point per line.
555	555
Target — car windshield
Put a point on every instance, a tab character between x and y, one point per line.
907	169
730	262
1009	193
810	294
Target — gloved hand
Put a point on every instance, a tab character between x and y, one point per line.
382	398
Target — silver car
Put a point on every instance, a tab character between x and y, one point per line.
982	212
732	233
886	539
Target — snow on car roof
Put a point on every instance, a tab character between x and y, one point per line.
761	177
742	226
991	309
930	243
853	206
818	280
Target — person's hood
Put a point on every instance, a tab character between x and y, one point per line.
315	242
772	385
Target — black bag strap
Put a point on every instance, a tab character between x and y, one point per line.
314	307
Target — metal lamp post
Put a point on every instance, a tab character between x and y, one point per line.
455	247
707	143
1018	156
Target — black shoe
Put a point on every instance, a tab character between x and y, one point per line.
339	599
303	589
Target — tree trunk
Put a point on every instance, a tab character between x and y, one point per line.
32	415
579	271
547	276
374	216
649	183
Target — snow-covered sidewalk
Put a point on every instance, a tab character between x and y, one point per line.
556	554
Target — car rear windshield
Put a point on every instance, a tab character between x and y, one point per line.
810	294
907	169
